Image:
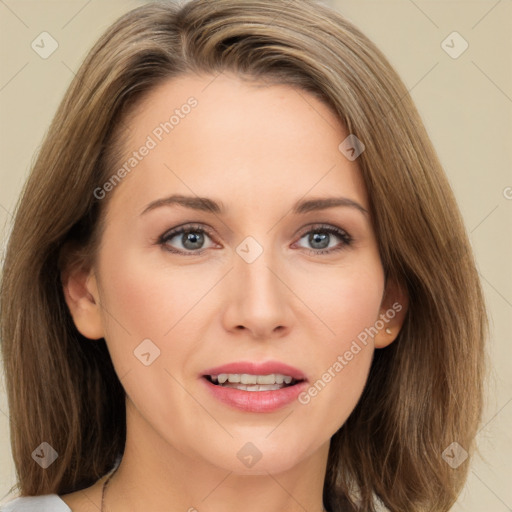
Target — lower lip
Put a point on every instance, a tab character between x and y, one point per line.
256	401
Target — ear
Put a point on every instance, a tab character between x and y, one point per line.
81	294
392	313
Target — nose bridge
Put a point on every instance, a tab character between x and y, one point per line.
256	266
259	299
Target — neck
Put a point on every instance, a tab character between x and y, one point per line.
153	475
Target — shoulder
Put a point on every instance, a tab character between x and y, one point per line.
45	503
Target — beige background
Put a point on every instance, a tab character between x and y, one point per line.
466	104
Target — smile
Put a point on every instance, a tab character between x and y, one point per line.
258	387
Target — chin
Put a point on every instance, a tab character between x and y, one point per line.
256	455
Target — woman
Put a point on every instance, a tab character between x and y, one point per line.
238	277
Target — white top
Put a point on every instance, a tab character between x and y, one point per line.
45	503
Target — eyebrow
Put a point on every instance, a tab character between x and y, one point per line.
209	205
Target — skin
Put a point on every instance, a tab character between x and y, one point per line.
257	149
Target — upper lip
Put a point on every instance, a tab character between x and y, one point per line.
255	368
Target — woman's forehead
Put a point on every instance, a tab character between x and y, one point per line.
220	135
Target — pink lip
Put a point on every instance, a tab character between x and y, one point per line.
256	401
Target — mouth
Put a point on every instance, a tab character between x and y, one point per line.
251	382
255	386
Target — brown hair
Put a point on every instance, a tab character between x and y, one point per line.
424	391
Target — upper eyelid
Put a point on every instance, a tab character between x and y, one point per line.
170	233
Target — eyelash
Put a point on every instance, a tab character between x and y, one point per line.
343	235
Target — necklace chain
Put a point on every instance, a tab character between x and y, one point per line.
105	484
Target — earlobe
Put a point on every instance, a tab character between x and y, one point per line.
81	295
392	314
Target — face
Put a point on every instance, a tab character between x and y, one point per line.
182	288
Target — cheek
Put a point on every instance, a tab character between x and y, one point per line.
139	304
346	299
349	304
145	299
146	312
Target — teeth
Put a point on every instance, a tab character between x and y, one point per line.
249	381
266	379
245	378
254	387
265	387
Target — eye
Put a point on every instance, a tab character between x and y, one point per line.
321	236
191	239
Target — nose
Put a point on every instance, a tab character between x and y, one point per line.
258	300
